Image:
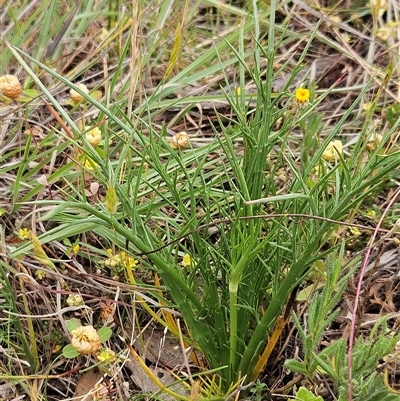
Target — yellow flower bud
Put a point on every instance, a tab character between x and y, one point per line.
75	96
86	340
10	86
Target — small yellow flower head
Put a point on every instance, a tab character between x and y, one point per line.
113	260
107	356
75	249
10	86
40	274
180	140
128	261
186	261
75	96
93	136
86	340
90	164
75	300
371	213
332	151
23	233
355	231
302	95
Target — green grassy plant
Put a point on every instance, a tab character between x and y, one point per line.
252	238
20	343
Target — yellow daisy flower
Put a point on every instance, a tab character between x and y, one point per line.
302	95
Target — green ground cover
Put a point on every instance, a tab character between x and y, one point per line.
199	200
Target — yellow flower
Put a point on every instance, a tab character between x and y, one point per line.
107	355
75	96
180	140
40	274
186	261
23	233
302	95
75	248
120	259
332	151
75	300
86	340
90	164
128	261
355	231
10	86
113	260
93	136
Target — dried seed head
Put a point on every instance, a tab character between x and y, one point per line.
374	141
180	140
10	86
75	96
93	136
378	7
86	340
333	151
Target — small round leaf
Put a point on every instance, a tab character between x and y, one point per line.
70	352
